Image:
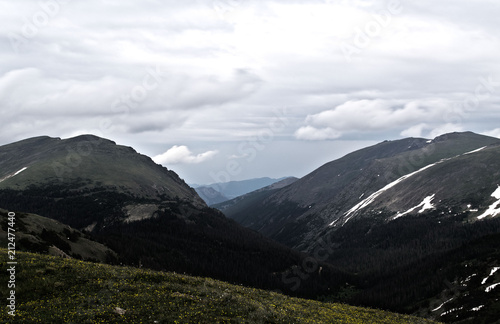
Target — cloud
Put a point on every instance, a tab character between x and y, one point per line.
373	115
182	155
225	65
316	134
444	129
415	131
493	133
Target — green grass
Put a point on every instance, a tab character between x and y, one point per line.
56	290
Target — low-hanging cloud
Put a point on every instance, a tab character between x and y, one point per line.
182	155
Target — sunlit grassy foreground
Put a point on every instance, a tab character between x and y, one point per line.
57	290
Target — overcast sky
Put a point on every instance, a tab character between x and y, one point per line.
235	89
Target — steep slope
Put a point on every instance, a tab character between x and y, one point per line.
471	289
146	213
339	190
236	208
210	195
466	183
458	286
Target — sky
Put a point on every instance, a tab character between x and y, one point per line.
229	90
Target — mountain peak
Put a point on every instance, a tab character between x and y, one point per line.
460	136
88	138
88	162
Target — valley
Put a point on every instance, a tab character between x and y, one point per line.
408	226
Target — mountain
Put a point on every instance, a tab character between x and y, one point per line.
233	189
391	177
210	196
383	212
236	207
57	290
86	182
85	162
146	214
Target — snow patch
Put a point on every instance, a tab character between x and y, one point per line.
373	196
496	194
20	171
469	277
494	209
437	308
452	310
13	175
495	269
490	288
425	204
475	151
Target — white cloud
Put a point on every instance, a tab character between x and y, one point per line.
182	155
493	133
356	116
415	131
316	134
444	129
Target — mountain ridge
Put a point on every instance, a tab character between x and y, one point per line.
325	195
55	161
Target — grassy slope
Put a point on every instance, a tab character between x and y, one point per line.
57	290
87	162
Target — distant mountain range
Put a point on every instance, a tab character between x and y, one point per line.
219	192
250	199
